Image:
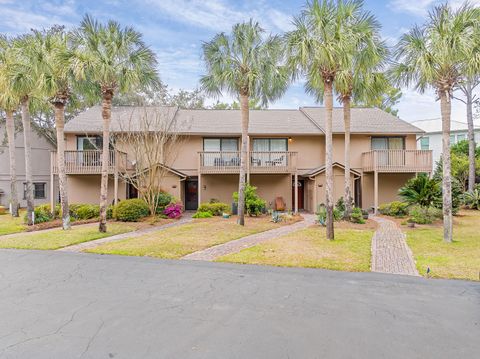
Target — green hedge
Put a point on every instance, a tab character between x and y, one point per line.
203	215
131	210
84	211
394	209
216	209
163	199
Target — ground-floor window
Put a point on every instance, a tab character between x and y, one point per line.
39	190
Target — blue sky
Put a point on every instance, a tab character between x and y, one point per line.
175	30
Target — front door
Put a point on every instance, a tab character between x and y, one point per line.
191	195
301	185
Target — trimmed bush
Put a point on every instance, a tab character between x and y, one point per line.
357	216
202	215
173	210
83	211
394	209
44	214
110	212
131	210
215	208
163	199
254	205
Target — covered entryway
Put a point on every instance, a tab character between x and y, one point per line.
301	193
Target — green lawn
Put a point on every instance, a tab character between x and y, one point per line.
9	224
179	241
460	259
59	238
350	251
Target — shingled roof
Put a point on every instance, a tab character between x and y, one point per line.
305	121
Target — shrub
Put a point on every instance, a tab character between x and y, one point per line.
337	214
340	205
215	208
322	214
395	209
424	215
213	200
173	210
202	215
163	199
421	190
357	215
472	199
254	205
82	211
131	210
44	214
110	212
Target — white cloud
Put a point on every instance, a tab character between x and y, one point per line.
421	7
218	15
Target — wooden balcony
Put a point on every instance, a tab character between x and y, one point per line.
228	162
397	161
90	162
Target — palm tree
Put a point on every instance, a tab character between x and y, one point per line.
24	83
326	35
9	102
247	65
53	52
113	59
434	56
360	81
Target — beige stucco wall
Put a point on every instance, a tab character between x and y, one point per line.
86	189
338	183
220	187
270	187
388	186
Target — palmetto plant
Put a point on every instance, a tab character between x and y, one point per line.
9	102
472	198
247	65
421	191
111	59
327	35
53	53
435	55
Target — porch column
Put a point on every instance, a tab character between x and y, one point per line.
115	180
199	191
375	182
295	183
315	194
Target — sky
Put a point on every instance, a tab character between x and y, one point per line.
175	30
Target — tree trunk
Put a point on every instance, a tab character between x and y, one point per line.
106	115
10	127
62	175
27	139
348	194
329	158
446	107
471	138
243	159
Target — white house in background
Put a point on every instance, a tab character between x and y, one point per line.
432	138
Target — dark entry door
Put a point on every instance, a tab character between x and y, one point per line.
191	194
301	185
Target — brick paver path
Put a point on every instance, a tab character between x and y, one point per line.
186	218
390	252
237	245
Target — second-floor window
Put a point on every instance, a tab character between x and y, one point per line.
220	144
425	143
270	144
388	143
85	143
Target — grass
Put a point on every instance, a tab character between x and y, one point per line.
57	238
179	241
9	224
460	259
350	251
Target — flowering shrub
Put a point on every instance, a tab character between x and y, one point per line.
173	210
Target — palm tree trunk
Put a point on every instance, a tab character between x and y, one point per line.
106	115
348	194
471	138
329	158
10	127
446	108
62	176
243	159
27	139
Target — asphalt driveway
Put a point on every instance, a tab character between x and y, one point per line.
69	305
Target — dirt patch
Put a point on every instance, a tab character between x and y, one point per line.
253	220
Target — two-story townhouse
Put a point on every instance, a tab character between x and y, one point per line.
41	148
286	156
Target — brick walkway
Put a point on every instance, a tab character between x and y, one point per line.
390	252
186	218
237	245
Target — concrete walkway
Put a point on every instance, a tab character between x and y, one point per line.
237	245
186	218
390	252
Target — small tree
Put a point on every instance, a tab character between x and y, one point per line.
150	137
